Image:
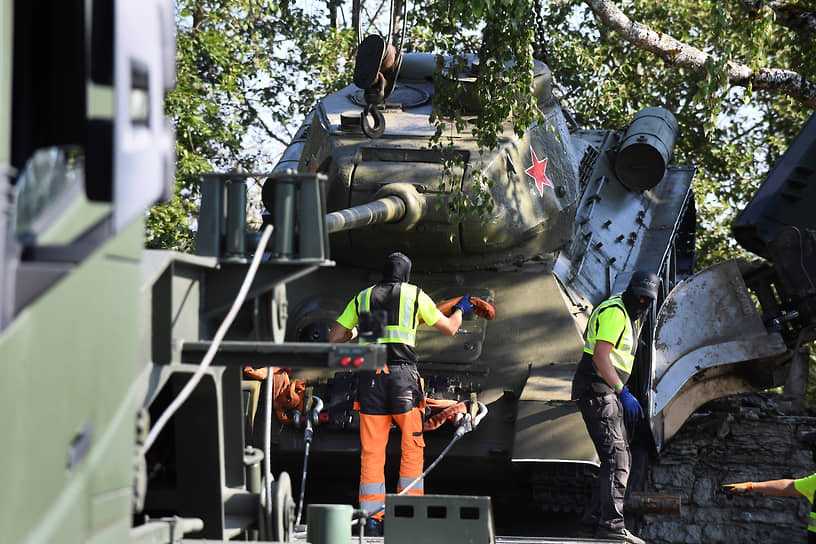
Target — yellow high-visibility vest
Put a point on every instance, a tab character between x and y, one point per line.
623	348
404	332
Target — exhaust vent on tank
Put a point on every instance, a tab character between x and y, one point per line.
645	149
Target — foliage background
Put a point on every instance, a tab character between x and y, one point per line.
248	71
730	134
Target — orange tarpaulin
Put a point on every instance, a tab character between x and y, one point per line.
441	410
286	394
481	307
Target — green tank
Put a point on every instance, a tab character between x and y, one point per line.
574	213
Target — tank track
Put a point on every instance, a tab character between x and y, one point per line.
562	487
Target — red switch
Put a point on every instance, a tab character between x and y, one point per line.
358	361
345	361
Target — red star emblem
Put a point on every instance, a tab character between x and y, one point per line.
537	172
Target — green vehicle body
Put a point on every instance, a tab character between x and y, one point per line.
97	335
71	332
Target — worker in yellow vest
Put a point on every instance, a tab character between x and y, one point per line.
395	392
786	487
599	389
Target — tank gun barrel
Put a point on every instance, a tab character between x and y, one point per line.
397	203
389	209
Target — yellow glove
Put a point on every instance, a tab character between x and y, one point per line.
738	489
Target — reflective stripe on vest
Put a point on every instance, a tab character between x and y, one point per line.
623	351
812	522
403	332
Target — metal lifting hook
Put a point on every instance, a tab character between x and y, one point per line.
376	69
379	121
468	422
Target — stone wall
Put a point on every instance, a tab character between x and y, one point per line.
750	437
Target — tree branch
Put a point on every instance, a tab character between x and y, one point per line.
677	53
271	133
799	20
373	18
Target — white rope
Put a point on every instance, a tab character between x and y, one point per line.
208	357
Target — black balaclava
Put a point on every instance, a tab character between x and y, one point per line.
397	268
633	306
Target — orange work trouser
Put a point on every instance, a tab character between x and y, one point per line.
374	430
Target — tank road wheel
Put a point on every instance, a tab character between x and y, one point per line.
283	509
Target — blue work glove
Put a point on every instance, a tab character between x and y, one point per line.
464	305
631	407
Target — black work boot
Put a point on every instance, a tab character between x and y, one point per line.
586	530
373	527
622	535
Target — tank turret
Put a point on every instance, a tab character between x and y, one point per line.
536	180
527	217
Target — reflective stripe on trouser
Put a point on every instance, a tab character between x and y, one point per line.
603	416
812	525
372	497
374	431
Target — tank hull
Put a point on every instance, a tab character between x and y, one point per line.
519	364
